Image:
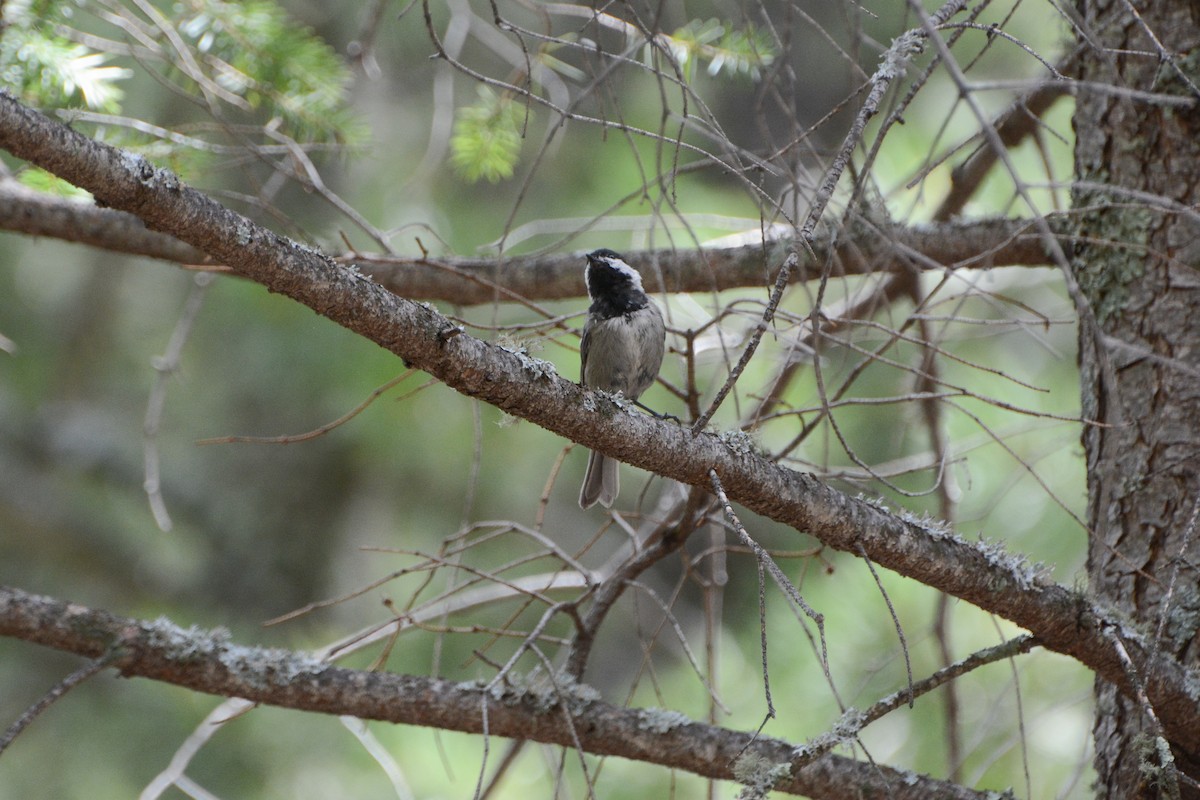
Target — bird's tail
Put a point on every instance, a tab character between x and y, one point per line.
601	482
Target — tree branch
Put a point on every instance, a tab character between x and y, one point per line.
982	574
207	661
470	281
24	210
1019	120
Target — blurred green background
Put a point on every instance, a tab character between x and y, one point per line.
259	530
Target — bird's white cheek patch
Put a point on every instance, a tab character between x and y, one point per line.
620	266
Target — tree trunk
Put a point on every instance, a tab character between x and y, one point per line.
1135	260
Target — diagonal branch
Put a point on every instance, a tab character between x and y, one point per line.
207	661
982	574
1020	120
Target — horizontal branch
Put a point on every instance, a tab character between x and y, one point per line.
25	210
860	251
207	661
984	575
470	281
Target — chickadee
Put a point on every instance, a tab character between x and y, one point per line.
622	348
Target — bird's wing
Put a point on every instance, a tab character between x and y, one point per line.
584	341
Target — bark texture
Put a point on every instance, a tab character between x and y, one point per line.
562	714
1136	262
995	242
980	573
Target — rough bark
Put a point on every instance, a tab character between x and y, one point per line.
982	574
1140	360
983	244
570	716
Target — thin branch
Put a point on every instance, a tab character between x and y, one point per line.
291	438
173	773
764	322
895	623
781	580
58	690
948	494
1020	120
165	366
662	541
1165	766
895	62
853	720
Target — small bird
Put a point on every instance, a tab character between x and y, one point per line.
622	349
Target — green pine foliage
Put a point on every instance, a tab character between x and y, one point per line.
487	138
44	182
733	52
487	134
48	70
251	56
255	51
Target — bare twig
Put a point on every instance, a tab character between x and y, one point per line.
1178	562
895	62
165	367
62	687
1168	773
777	575
323	429
853	720
764	323
665	539
896	623
174	773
